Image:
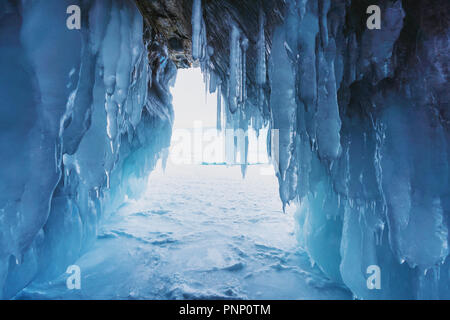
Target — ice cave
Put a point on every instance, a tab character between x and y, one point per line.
322	170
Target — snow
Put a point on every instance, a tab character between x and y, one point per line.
229	239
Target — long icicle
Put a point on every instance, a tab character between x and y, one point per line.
196	21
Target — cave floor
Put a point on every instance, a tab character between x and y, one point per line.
199	232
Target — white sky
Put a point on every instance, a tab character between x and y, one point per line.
189	101
203	143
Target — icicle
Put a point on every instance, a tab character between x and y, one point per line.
244	47
206	81
196	28
261	53
219	107
261	70
212	82
243	151
235	69
239	73
324	6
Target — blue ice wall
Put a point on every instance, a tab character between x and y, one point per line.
83	119
370	148
363	131
364	142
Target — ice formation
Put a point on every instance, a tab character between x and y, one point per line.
362	122
84	116
363	135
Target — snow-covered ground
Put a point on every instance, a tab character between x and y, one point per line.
200	232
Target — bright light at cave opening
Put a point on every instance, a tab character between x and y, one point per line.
191	102
195	138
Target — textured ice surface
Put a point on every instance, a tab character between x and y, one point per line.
177	244
79	128
363	129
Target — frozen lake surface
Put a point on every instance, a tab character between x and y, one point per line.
200	232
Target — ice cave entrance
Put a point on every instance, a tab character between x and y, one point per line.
214	233
197	138
200	231
198	145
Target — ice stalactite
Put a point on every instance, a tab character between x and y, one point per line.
234	85
363	138
355	211
219	108
196	29
261	72
200	49
90	116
